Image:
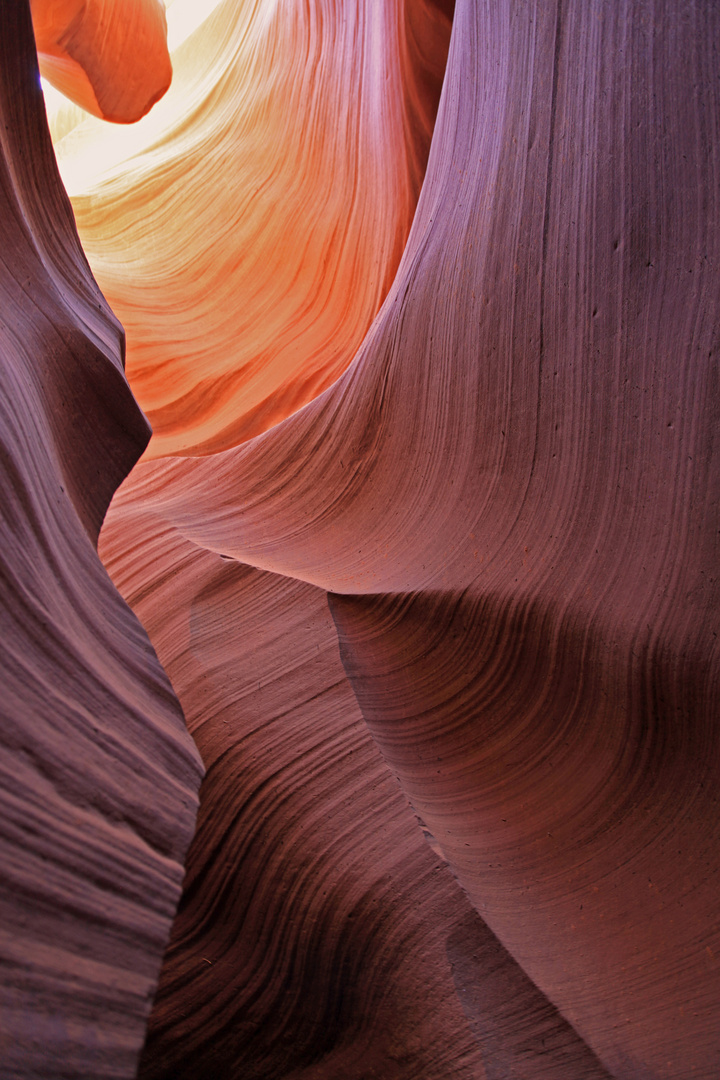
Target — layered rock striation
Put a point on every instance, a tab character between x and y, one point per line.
511	500
108	56
311	936
99	777
247	233
481	562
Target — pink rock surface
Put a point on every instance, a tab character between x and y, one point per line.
311	937
98	777
482	563
511	497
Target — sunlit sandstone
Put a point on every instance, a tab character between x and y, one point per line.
511	499
248	230
109	56
481	562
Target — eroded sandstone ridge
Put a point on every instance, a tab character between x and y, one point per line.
247	233
99	778
482	562
109	56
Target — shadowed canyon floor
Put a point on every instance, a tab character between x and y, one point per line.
425	541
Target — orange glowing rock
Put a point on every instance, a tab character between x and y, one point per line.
481	562
109	56
252	231
511	500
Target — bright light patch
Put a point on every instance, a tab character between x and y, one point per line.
184	17
54	100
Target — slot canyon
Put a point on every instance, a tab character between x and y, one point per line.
359	539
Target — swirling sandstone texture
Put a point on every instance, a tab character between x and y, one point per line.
109	56
482	562
311	936
98	777
511	500
247	232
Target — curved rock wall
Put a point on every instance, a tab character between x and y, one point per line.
255	221
511	498
311	937
483	561
98	777
108	56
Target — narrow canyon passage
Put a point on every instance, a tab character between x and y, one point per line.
421	302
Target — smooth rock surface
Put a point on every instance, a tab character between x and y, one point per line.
311	937
483	561
98	777
108	56
248	230
512	500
